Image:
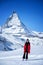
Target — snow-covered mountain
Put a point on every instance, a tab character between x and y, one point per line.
15	26
15	33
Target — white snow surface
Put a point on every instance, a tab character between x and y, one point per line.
15	57
12	38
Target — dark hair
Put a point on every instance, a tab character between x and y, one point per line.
27	40
27	43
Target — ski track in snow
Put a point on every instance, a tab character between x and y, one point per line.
38	57
17	60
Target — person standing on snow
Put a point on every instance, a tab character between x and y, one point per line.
26	49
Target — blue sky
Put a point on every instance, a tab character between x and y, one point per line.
29	11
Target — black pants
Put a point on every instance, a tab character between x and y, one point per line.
25	55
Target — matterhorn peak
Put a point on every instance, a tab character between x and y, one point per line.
12	20
14	24
14	12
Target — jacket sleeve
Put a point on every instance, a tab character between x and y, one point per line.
28	48
24	48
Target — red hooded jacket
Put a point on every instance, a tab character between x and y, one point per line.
27	47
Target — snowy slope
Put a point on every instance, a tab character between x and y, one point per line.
39	34
15	57
18	61
5	44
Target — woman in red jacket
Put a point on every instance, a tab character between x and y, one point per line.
26	49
